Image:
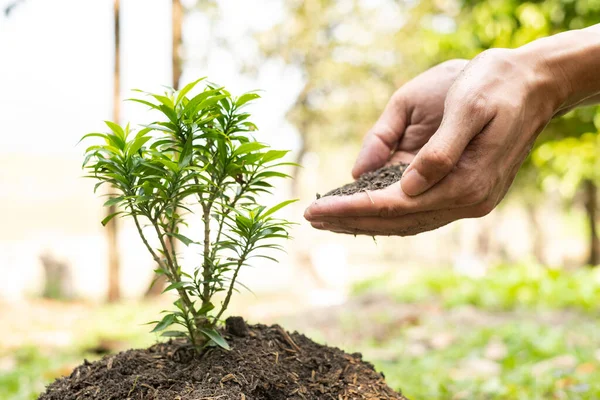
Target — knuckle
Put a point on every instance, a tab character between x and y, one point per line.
477	103
478	192
439	159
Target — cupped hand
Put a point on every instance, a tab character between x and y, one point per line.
461	164
411	117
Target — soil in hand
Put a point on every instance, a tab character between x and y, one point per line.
264	363
374	180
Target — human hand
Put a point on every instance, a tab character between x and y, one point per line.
411	117
493	112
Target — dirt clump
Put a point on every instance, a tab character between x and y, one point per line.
374	180
264	363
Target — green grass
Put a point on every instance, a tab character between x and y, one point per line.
506	287
31	372
513	298
24	373
445	373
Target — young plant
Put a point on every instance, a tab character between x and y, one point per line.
198	161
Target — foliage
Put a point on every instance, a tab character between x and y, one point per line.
198	160
30	374
530	368
566	163
542	319
505	287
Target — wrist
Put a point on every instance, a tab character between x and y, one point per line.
566	66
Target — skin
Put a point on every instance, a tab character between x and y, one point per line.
465	127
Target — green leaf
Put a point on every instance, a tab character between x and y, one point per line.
185	240
137	144
147	103
101	135
191	105
107	219
249	147
113	201
175	285
170	113
116	128
211	101
163	99
272	155
216	337
277	208
186	154
186	89
205	309
167	321
169	164
272	174
143	132
173	334
246	98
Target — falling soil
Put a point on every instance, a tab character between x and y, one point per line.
264	363
374	180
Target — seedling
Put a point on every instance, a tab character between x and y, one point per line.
199	160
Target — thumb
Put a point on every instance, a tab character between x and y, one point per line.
443	150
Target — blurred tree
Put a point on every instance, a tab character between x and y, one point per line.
112	227
177	43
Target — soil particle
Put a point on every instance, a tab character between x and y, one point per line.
374	180
266	364
236	326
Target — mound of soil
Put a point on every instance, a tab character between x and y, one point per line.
264	363
374	180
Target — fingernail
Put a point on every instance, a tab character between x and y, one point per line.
307	215
413	183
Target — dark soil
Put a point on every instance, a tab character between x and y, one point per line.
265	363
378	179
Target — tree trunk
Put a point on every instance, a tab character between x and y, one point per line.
591	192
177	17
160	282
537	232
114	267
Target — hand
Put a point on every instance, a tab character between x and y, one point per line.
493	112
411	117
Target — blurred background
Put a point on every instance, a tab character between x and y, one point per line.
506	306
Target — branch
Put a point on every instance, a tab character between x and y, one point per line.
182	293
241	262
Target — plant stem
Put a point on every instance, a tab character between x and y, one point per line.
150	249
228	210
207	267
241	262
175	274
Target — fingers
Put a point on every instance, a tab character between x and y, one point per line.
393	202
400	226
382	139
463	120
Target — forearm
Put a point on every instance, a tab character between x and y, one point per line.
569	66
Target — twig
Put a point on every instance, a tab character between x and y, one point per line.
288	338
